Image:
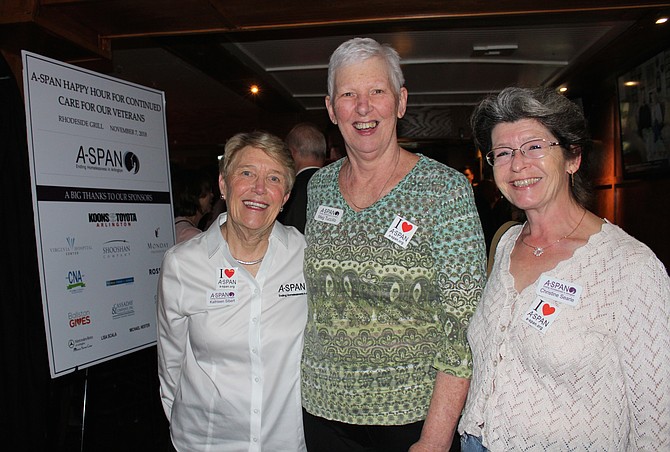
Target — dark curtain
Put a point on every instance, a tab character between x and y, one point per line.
24	379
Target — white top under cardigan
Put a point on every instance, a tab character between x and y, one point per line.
599	378
229	366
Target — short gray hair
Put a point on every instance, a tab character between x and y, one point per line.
357	50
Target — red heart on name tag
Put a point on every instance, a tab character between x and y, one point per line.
406	226
548	310
229	272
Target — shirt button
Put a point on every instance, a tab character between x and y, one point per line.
255	319
254	351
256	379
502	328
256	411
255	439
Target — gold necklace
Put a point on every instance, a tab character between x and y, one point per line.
538	250
383	186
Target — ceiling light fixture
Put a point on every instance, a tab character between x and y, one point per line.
562	89
254	89
661	20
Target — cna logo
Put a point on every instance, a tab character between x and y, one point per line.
115	248
100	159
113	219
79	318
70	248
75	281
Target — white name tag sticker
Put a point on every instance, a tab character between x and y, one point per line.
226	287
542	314
331	215
558	290
401	231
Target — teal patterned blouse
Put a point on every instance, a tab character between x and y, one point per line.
382	317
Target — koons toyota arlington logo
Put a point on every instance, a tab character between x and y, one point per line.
113	219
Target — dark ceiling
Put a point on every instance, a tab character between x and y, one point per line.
206	53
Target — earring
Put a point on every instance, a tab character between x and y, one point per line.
281	209
222	197
572	179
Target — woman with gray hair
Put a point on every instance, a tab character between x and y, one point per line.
231	313
395	264
571	341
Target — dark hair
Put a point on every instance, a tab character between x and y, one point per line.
562	117
307	141
188	186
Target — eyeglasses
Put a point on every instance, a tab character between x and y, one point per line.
533	149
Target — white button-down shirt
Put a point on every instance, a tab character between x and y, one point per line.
229	344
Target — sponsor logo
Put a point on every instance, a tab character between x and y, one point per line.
75	281
154	271
113	219
139	327
79	318
119	281
123	309
115	248
79	344
157	246
107	336
70	248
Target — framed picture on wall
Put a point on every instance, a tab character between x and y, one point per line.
644	107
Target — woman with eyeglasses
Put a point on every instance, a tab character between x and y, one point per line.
571	341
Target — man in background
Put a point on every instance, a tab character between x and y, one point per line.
308	148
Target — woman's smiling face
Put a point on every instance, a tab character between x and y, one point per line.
365	107
255	189
531	183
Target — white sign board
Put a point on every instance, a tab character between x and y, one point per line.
103	217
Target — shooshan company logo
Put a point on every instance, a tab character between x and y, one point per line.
91	158
115	248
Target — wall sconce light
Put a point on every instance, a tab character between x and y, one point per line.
254	89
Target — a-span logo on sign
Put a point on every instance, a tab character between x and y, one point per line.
101	159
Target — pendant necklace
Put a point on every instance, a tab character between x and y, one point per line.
539	251
383	186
